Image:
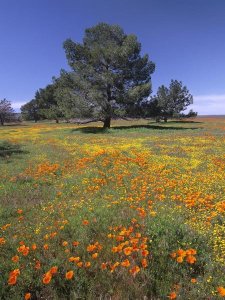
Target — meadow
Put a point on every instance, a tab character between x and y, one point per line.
133	212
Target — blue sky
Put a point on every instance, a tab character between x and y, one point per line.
185	39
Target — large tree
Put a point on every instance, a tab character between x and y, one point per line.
171	101
6	111
109	73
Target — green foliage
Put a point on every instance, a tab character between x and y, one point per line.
69	97
169	102
190	114
7	149
109	73
6	111
44	106
30	111
47	103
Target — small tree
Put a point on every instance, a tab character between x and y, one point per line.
109	73
6	111
173	100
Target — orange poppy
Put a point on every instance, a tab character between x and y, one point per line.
191	259
37	265
145	253
80	264
173	254
46	247
26	251
12	280
27	296
69	275
127	250
181	252
75	244
34	247
144	263
53	270
103	266
134	270
15	272
85	222
15	258
91	248
172	295
125	263
95	255
87	264
180	259
221	291
47	278
2	241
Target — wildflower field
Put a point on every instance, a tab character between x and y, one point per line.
134	212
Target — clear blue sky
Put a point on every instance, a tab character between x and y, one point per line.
185	39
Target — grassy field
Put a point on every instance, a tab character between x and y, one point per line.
135	212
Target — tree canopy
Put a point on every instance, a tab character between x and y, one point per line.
109	73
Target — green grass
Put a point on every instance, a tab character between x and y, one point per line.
159	184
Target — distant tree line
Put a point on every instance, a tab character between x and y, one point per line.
109	78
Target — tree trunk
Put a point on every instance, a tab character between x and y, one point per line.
107	122
1	121
165	119
56	120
